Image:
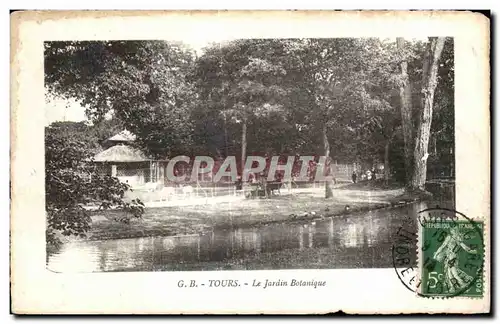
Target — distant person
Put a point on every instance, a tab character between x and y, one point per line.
374	175
252	177
279	177
354	176
239	184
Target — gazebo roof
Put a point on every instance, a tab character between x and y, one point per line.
123	136
121	153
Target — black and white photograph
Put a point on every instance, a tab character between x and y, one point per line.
243	154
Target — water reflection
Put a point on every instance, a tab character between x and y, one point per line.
355	241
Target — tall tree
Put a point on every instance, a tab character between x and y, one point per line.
242	78
430	67
340	76
442	141
405	93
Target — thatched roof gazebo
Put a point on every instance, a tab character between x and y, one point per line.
123	136
121	153
128	163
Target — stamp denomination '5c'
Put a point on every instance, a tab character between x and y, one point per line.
452	255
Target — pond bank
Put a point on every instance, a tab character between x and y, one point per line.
362	240
196	219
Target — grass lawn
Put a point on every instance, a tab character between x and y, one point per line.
303	204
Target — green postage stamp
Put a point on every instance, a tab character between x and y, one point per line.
452	258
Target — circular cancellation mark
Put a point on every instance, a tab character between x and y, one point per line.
450	254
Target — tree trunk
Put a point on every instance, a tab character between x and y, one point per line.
386	162
406	113
243	146
328	189
225	137
452	171
429	83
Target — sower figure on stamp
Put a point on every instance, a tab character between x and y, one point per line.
448	255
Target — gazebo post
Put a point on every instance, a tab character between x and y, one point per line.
113	170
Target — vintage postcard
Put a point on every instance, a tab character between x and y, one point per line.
271	162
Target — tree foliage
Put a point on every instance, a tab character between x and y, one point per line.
143	83
242	83
72	183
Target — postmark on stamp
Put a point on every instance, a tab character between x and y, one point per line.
452	257
440	255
